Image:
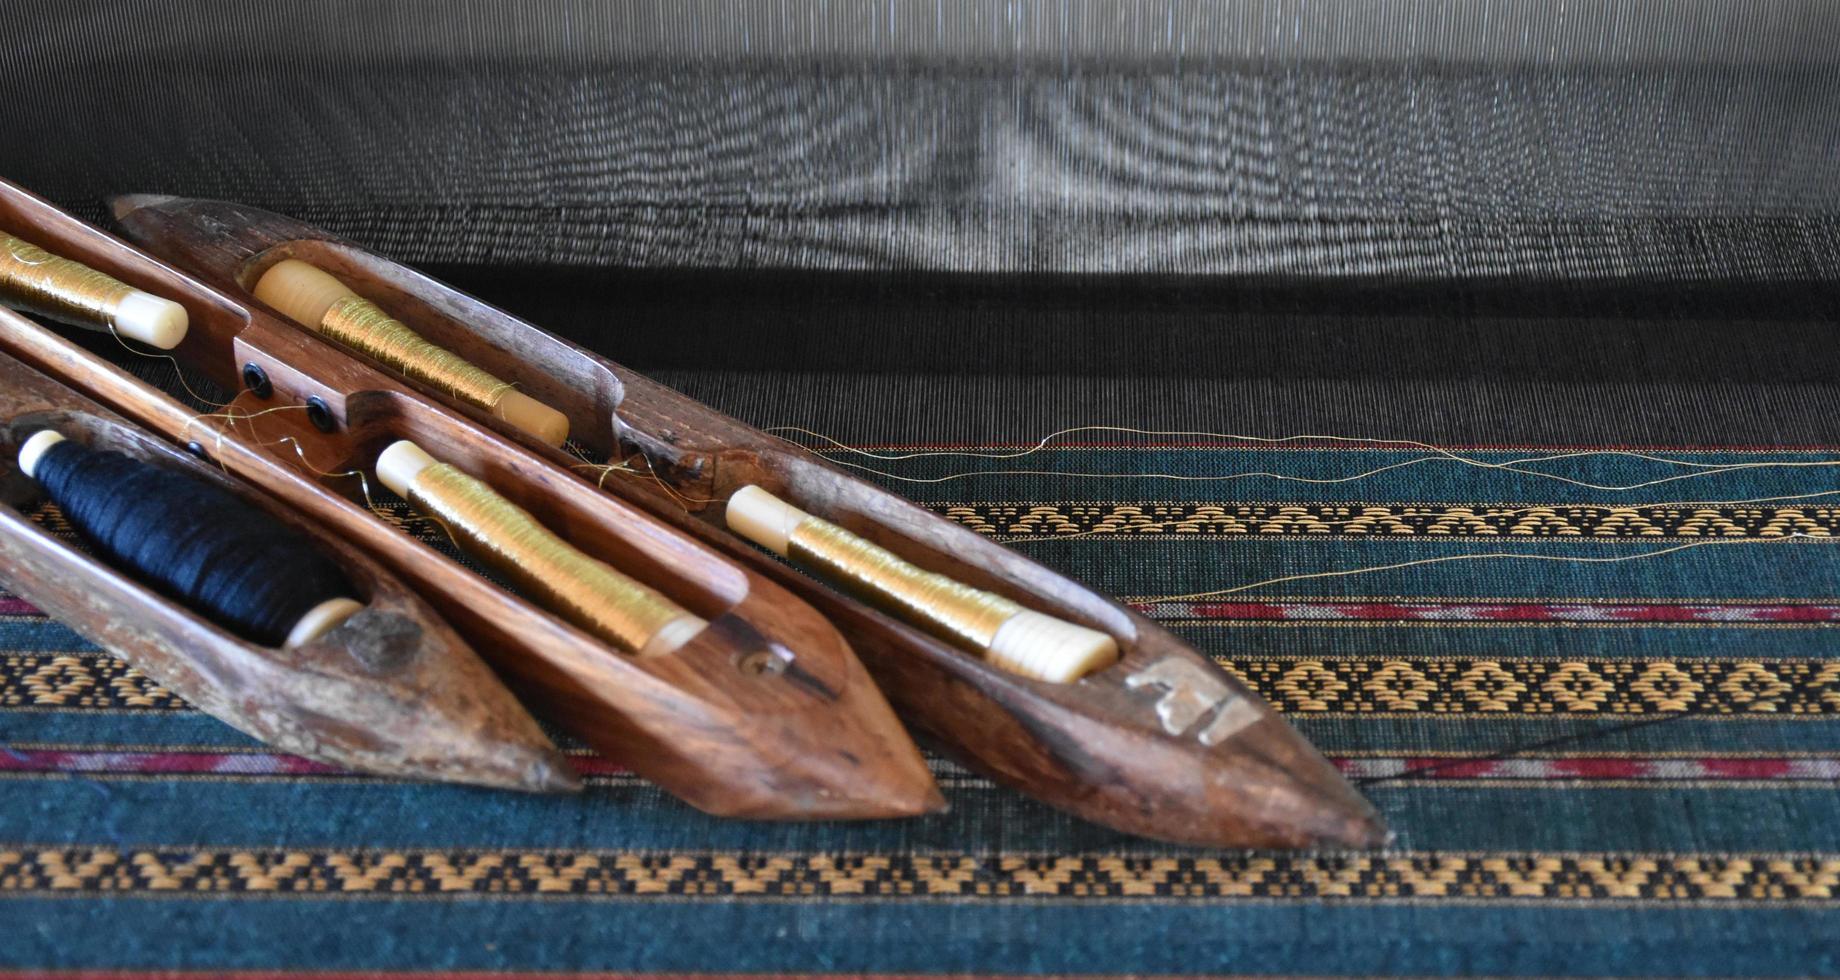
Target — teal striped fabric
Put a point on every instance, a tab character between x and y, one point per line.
1615	750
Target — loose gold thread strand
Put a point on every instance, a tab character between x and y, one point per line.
1513	466
650	472
1043	443
177	369
364	483
1225	477
604	469
230	415
231	418
1029	539
1440	454
1490	556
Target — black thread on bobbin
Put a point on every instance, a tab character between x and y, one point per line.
192	540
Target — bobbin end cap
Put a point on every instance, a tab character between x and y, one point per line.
299	291
673	635
763	518
1048	649
320	620
400	464
151	320
532	416
34	449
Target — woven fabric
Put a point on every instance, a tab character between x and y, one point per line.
1619	768
1514	230
1603	141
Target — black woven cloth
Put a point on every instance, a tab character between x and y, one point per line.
1468	221
1598	141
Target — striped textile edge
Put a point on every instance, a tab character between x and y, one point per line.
411	873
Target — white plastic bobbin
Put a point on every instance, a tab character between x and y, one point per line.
34	449
150	320
400	464
320	620
1048	649
763	519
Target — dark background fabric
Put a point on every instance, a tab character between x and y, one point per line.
1485	221
1598	140
1578	226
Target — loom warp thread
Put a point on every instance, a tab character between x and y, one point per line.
194	541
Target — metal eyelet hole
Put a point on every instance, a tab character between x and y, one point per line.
320	414
256	380
768	661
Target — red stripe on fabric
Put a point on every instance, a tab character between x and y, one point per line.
1601	768
1746	768
182	763
594	765
15	606
1449	768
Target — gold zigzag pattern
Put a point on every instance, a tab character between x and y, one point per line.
1367	685
1013	520
1380	877
1480	686
65	681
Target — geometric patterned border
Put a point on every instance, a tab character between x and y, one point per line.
65	681
1194	519
1372	877
1357	685
1543	687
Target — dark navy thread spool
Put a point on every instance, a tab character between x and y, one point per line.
194	541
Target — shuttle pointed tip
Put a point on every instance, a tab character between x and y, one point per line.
123	205
900	792
1334	814
553	775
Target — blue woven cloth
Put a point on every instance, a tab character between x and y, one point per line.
1630	766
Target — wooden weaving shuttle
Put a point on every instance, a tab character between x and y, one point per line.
392	690
1163	743
765	714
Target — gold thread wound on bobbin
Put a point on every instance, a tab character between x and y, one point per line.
53	286
950	610
585	591
361	325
